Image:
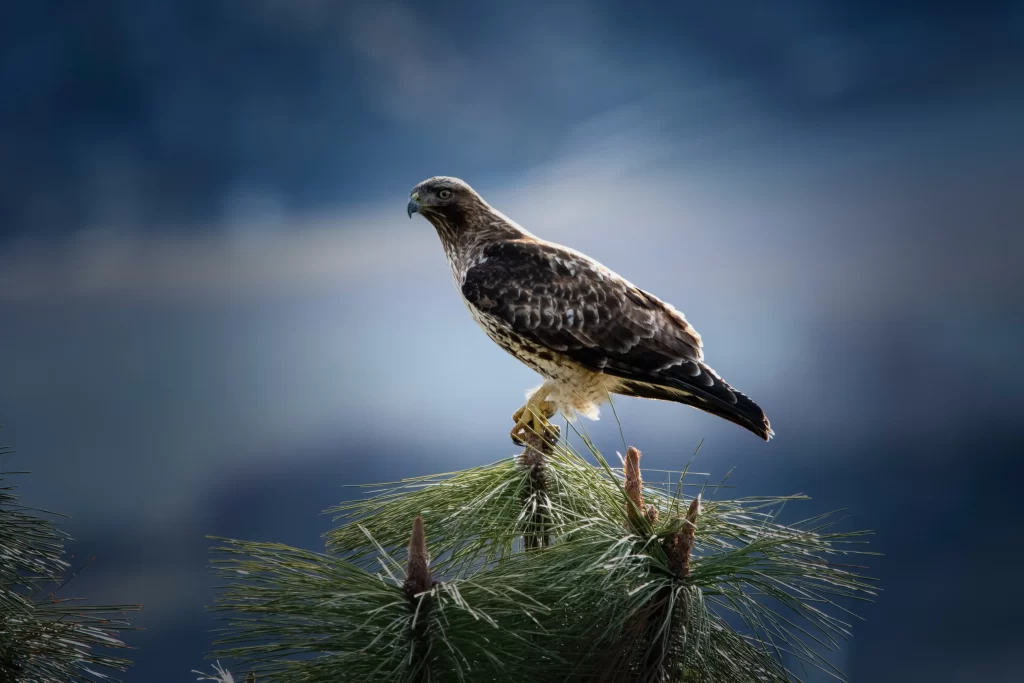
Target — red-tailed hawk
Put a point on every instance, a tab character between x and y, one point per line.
587	330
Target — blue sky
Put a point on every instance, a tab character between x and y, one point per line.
213	307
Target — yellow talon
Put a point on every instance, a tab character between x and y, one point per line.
533	418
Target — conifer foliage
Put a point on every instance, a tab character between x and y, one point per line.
550	566
44	635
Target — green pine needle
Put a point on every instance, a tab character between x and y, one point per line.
605	601
44	636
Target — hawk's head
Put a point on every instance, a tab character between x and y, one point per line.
444	198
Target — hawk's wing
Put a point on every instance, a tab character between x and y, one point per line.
566	302
572	305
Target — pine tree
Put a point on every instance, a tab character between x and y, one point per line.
45	636
546	567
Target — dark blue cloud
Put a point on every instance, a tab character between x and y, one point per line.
154	114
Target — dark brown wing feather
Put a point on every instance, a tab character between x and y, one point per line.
572	305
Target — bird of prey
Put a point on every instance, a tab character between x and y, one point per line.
585	329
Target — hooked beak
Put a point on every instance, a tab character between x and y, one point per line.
414	204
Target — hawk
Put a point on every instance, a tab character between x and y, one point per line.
585	329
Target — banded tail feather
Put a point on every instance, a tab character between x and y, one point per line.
695	384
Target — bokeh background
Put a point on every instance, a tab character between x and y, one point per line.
214	313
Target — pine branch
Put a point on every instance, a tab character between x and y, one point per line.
302	616
43	636
624	581
536	503
478	516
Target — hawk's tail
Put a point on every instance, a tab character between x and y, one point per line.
697	385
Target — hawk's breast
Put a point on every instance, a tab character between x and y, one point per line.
530	353
574	388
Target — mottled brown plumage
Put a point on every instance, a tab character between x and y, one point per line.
587	330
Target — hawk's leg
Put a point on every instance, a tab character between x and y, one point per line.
534	416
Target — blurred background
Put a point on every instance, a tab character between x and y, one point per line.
214	313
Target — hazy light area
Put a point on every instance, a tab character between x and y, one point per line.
215	314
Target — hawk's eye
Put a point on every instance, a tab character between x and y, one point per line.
445	194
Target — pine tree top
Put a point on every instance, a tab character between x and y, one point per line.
548	566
